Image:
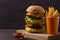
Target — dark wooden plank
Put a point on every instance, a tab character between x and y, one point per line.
42	36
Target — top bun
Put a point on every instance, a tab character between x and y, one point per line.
35	9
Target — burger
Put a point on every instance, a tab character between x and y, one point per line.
34	19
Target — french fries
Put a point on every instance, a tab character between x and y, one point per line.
46	13
52	12
56	13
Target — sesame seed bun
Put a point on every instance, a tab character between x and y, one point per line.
35	9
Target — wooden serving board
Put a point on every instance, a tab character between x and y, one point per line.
35	36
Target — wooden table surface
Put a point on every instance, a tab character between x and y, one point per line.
7	34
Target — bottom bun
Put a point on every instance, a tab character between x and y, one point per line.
31	30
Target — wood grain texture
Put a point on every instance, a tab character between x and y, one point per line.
34	36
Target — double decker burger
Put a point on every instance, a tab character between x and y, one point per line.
34	19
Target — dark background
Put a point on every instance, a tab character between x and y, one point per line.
12	12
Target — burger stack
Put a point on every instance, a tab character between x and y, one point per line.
34	19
